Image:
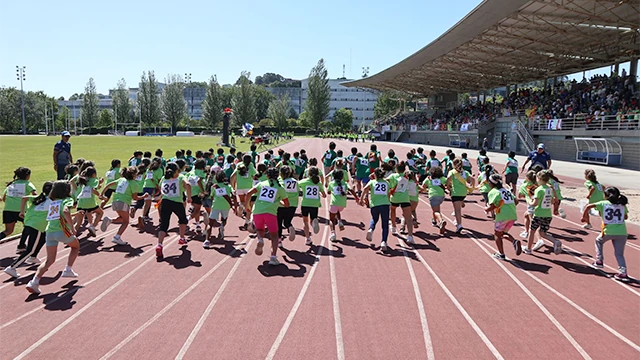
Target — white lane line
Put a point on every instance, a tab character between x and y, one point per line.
175	301
423	315
205	315
336	308
303	291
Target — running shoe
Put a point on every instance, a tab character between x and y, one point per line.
206	244
517	246
308	242
159	254
526	251
182	241
292	233
259	247
92	230
333	237
33	287
443	227
369	235
118	240
106	221
416	224
316	226
562	213
140	222
393	230
524	234
147	219
458	229
499	256
557	247
12	271
403	229
453	213
340	225
274	261
434	222
598	264
410	240
538	245
383	246
69	273
32	260
280	245
621	277
587	226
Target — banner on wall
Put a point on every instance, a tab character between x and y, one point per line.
414	128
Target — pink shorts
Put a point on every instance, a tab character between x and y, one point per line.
504	226
334	209
268	220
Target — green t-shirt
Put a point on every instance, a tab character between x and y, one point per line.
113	174
173	189
244	182
401	184
328	157
458	188
139	180
35	216
268	198
290	186
362	167
556	187
598	193
124	190
387	159
86	198
374	159
218	193
15	192
152	178
310	193
512	166
300	164
484	183
613	217
433	162
193	178
434	186
527	188
379	190
544	194
254	156
54	213
505	204
336	191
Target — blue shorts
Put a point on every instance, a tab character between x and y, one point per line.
140	203
216	214
53	238
364	180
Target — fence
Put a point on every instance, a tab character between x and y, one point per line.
585	122
432	127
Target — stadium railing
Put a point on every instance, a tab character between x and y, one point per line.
586	122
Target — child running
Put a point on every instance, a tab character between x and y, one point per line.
435	184
16	189
242	181
111	175
151	186
510	172
614	212
527	190
596	193
457	181
173	187
311	189
223	200
379	205
197	179
400	198
338	189
88	197
502	202
59	230
286	213
126	190
542	200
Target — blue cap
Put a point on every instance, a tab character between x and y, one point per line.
541	146
65	133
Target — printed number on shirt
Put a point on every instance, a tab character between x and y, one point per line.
328	156
54	210
170	188
436	182
193	180
599	187
402	185
546	199
613	214
111	175
16	190
122	187
86	193
149	175
221	191
43	206
512	163
268	194
290	186
139	178
380	189
507	196
312	192
364	162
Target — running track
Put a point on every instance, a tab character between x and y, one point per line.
443	298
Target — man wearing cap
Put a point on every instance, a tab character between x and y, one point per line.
62	154
538	157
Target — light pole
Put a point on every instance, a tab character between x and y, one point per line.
365	73
20	73
187	77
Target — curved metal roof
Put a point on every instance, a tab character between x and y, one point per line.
504	42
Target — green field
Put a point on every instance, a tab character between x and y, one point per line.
36	153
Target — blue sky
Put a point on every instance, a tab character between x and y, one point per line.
63	44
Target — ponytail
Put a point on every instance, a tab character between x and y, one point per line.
314	174
614	196
170	170
46	189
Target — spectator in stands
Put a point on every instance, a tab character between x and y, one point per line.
62	155
538	157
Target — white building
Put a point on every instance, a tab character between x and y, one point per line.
359	101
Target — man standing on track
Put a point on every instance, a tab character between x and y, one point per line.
62	154
538	156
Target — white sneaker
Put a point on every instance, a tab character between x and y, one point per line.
308	242
393	230
524	234
316	226
206	244
274	261
458	228
557	247
562	213
259	247
453	213
292	233
340	224
33	287
280	244
383	246
106	221
526	251
69	273
369	234
410	240
333	237
538	245
92	230
32	260
12	271
118	240
587	226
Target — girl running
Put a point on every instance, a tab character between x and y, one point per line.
286	214
485	187
596	192
527	190
311	189
35	223
59	230
614	212
361	166
400	198
542	200
223	200
466	164
16	189
502	202
242	181
374	158
313	162
269	193
111	175
172	187
457	183
511	172
150	186
338	190
197	179
88	197
554	182
328	157
379	205
435	184
414	198
125	191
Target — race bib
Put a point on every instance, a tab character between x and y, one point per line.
16	190
149	175
466	163
512	163
54	210
599	187
434	163
221	191
546	199
436	182
268	194
256	182
411	162
139	178
43	206
193	180
122	187
412	189
380	189
464	175
613	214
402	185
290	186
507	196
328	156
338	190
312	192
170	188
364	162
85	193
111	175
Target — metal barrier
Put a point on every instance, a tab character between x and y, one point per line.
586	122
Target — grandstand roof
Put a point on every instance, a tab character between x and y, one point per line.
504	42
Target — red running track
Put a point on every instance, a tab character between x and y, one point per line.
444	298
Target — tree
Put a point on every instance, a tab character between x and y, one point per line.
325	125
266	123
319	95
148	99
90	108
343	120
174	108
268	78
227	96
263	101
243	101
212	105
304	120
121	103
292	114
106	119
278	112
385	105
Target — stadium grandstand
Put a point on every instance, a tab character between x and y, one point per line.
507	44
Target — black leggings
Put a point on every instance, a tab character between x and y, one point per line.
30	235
285	215
168	207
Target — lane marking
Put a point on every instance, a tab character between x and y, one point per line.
336	307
